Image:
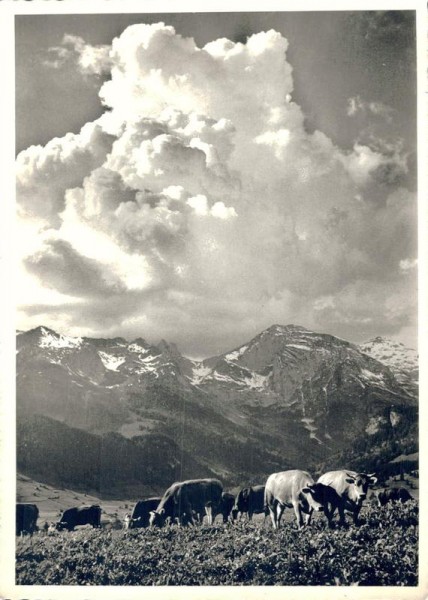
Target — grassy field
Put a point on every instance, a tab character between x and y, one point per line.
52	502
382	551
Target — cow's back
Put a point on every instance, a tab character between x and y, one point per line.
203	492
337	480
69	516
256	498
286	485
82	515
197	493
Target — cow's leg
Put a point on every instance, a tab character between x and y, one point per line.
356	513
209	512
279	512
298	513
250	515
309	516
329	511
342	520
272	510
186	514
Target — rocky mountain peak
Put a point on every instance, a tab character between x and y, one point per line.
394	354
289	391
169	349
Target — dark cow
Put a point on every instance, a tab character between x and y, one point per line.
226	505
183	500
393	495
293	489
83	515
250	501
140	516
26	518
351	488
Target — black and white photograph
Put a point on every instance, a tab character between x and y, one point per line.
214	272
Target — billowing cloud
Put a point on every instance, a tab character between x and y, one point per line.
91	60
45	173
198	208
358	106
59	266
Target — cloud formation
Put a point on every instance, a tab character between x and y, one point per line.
91	60
199	209
356	105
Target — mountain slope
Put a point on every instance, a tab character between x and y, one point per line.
288	398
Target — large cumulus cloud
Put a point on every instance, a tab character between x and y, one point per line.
198	208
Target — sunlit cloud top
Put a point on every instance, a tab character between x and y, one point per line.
199	208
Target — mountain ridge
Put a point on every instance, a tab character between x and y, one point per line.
289	397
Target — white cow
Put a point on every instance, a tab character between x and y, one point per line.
351	488
293	489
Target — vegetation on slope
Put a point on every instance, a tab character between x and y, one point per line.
382	551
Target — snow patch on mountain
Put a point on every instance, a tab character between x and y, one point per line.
199	372
112	363
51	340
224	378
149	364
308	424
394	355
374	425
256	381
137	349
299	346
369	375
236	353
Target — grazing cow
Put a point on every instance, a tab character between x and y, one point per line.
226	505
83	515
393	495
184	499
140	516
251	501
293	489
26	518
352	489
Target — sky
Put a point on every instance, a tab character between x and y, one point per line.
200	177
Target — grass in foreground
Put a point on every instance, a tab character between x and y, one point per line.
382	551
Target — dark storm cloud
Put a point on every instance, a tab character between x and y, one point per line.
61	267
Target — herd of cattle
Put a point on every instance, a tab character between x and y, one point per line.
188	502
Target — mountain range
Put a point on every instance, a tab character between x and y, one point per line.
126	418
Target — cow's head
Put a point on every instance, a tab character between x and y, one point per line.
157	518
314	495
241	502
360	484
